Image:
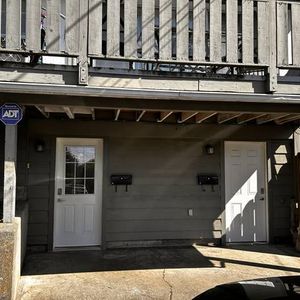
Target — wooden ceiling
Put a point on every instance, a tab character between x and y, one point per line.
190	117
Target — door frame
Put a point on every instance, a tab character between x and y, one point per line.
98	187
266	172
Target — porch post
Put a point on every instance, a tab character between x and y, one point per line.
10	165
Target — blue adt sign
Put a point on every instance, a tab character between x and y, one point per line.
11	114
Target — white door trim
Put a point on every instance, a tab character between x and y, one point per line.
264	144
98	178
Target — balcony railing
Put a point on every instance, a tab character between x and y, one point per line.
234	33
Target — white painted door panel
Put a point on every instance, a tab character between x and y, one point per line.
78	190
245	192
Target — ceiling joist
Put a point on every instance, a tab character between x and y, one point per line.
248	117
41	109
201	117
93	114
222	118
117	114
164	115
269	118
69	112
140	115
290	118
184	116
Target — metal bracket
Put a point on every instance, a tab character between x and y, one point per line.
83	72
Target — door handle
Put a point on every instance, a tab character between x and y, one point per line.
262	199
60	200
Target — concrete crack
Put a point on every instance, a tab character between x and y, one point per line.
169	284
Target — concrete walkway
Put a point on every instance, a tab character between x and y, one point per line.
157	273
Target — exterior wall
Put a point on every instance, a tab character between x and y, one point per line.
164	161
281	188
164	188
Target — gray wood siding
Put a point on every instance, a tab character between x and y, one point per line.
164	188
164	161
281	188
39	179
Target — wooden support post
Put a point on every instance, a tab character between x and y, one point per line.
83	41
10	164
272	70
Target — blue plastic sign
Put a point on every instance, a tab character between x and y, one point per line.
11	114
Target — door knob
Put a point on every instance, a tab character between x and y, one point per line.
262	199
60	200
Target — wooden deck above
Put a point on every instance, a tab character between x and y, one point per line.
202	37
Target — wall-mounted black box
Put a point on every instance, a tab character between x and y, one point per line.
121	179
208	179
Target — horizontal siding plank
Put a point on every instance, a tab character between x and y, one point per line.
160	225
95	27
38	192
165	29
37	240
38	217
38	204
13	24
138	236
159	202
130	28
33	25
158	214
37	229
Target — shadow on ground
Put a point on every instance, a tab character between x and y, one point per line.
114	260
154	258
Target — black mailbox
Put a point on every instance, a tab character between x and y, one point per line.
121	179
208	179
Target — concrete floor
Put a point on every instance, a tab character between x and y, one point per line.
155	273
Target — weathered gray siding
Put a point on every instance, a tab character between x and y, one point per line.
164	188
39	182
164	161
281	188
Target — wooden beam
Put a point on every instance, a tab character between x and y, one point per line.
164	115
222	118
201	117
117	114
10	165
93	114
140	115
248	117
269	118
287	119
41	109
69	112
184	116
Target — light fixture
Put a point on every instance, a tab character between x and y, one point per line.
39	146
209	149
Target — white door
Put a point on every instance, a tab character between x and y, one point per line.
245	192
78	192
